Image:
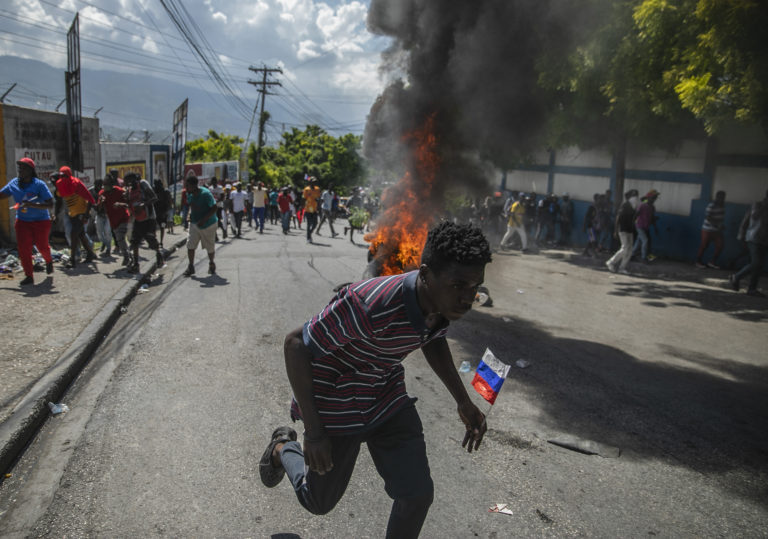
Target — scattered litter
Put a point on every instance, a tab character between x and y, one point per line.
57	409
465	366
523	364
483	297
500	508
197	338
544	517
506	318
123	310
8	475
520	291
588	447
143	288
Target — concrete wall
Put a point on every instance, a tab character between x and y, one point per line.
41	135
736	162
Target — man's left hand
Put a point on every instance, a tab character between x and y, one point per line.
474	421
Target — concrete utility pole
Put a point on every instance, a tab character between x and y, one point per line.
264	83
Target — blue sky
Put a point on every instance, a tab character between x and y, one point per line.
329	59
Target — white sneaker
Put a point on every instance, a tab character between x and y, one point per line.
623	271
611	268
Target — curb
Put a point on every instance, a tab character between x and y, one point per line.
31	413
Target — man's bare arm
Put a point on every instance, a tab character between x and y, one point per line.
439	357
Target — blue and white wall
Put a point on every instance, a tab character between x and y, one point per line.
736	162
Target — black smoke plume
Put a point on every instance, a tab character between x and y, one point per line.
471	64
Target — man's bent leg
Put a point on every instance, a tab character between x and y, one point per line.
319	494
400	454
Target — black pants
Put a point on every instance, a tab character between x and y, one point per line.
398	450
311	219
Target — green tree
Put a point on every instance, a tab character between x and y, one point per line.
715	56
214	147
314	152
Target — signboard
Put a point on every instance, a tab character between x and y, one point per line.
160	167
46	161
123	168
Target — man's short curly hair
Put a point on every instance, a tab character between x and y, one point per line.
449	243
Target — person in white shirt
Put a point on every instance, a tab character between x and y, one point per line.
327	210
238	198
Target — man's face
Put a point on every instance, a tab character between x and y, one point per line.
452	291
24	172
192	188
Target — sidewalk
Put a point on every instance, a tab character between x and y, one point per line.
50	330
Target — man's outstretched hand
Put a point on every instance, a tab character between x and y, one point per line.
474	420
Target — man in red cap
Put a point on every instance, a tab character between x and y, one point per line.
33	222
78	200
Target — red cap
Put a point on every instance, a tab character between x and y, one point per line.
26	161
65	171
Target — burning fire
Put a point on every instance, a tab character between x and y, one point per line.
401	230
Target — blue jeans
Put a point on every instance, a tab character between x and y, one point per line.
286	221
642	243
757	254
258	215
398	450
103	231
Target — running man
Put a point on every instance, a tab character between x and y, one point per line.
344	367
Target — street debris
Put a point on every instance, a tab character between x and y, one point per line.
500	508
483	297
544	517
465	366
143	288
520	291
588	447
506	319
57	409
522	364
123	310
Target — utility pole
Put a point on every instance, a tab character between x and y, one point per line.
7	92
264	83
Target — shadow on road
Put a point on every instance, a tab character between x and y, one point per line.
704	413
659	294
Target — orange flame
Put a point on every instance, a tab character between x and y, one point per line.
402	229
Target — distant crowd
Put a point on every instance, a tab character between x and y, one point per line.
122	213
631	226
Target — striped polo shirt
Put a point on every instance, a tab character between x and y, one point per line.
359	341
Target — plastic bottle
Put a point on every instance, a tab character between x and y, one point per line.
465	366
57	409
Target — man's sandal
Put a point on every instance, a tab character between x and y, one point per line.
270	474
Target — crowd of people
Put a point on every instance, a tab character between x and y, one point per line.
631	226
123	213
120	210
129	211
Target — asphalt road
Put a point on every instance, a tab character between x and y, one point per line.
168	421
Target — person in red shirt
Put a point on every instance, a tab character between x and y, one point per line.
113	200
284	203
78	201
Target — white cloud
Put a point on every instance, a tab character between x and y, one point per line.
307	50
148	44
359	76
320	44
253	13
